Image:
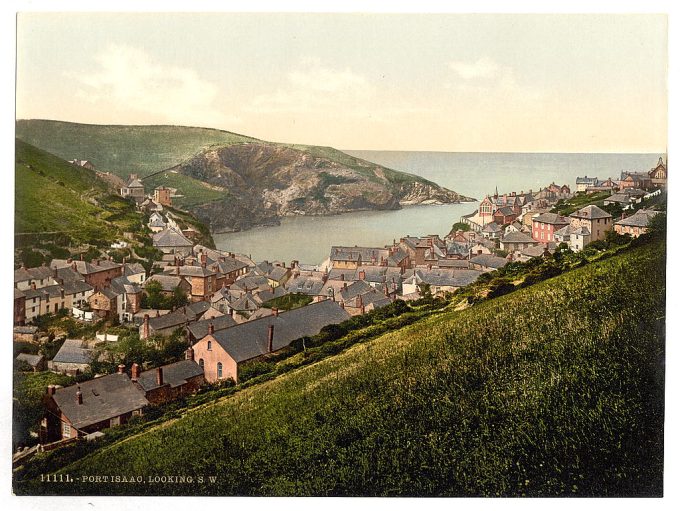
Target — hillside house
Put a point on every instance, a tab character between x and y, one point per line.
487	262
659	174
86	164
517	241
172	241
133	189
90	406
544	226
73	358
221	354
163	195
440	280
582	183
594	219
169	382
25	333
35	362
636	224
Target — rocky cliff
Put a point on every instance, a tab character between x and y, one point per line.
264	182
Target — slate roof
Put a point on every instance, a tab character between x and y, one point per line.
37	273
619	197
32	360
169	237
517	237
73	352
489	261
505	211
444	277
200	328
190	271
173	320
249	340
590	212
640	219
25	329
535	251
103	398
157	222
175	375
586	180
135	183
491	227
251	282
306	285
551	218
130	269
83	267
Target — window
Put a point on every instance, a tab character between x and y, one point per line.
200	362
219	369
209	345
66	430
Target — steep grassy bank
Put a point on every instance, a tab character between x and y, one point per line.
556	389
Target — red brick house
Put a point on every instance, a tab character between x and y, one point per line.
221	354
544	226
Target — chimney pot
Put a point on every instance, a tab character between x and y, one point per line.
135	371
211	328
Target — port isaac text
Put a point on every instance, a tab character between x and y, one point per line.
122	479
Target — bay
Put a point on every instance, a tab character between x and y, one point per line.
308	239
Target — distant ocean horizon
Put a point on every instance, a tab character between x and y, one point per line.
309	239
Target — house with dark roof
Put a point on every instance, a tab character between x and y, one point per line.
440	280
171	241
594	219
221	354
90	406
204	327
134	189
544	226
74	357
26	333
492	230
517	241
487	262
169	382
35	362
636	224
582	183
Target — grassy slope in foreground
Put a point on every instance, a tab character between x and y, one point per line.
556	389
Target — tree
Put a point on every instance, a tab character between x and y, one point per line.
460	226
179	297
153	297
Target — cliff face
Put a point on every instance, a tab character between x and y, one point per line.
264	182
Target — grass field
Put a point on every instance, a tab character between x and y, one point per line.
123	150
552	390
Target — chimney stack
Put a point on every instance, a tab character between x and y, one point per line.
342	305
189	354
276	312
145	328
79	396
159	376
51	390
135	371
270	339
74	266
362	275
121	368
211	328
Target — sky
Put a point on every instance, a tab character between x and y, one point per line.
438	82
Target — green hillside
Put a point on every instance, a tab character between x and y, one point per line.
553	390
53	196
123	150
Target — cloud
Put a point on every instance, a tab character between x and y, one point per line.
482	68
312	86
128	78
